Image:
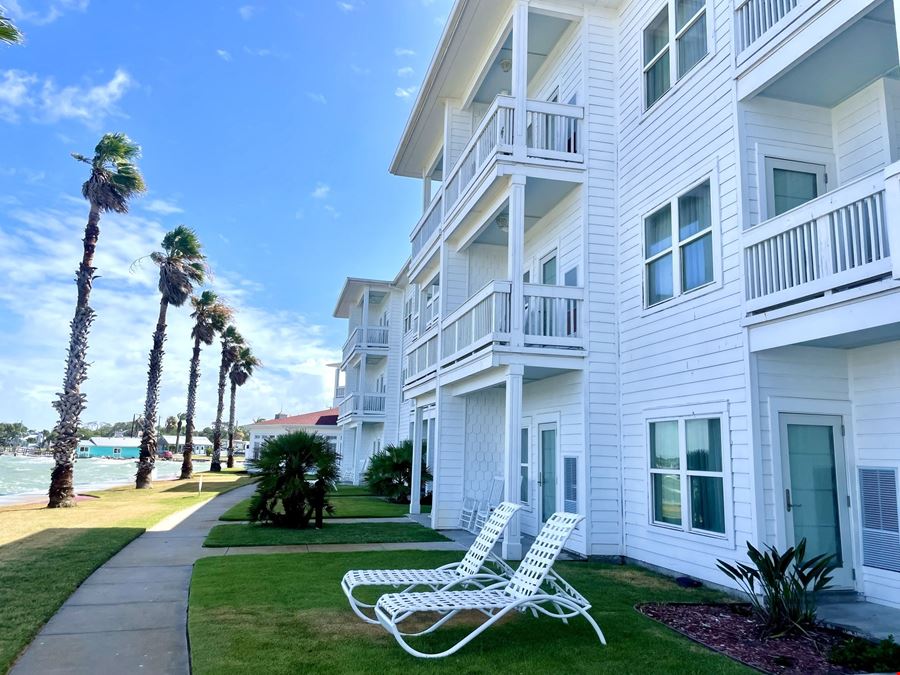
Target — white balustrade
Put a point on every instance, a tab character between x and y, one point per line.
553	315
754	18
428	224
362	338
553	131
423	359
362	404
838	239
481	319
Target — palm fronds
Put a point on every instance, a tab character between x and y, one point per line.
181	265
9	34
115	178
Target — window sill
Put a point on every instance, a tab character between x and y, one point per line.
725	541
678	300
648	112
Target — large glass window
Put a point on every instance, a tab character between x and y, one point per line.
523	466
684	23
687	474
678	246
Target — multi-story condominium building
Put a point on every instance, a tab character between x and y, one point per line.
653	279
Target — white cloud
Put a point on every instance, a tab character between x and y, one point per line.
161	207
359	70
316	97
20	92
407	92
321	191
346	7
331	211
55	10
406	71
246	12
224	54
43	247
402	51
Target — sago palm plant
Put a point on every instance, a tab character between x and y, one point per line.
390	472
182	265
231	345
113	181
210	318
241	370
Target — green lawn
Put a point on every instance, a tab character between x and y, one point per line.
332	533
353	491
45	554
344	507
287	614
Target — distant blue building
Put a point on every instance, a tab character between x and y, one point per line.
111	447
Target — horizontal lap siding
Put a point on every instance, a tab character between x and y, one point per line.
560	229
487	262
861	133
691	352
449	463
875	392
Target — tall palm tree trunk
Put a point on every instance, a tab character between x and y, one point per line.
187	466
230	462
216	463
147	459
70	403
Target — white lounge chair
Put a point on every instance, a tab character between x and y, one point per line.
471	570
534	586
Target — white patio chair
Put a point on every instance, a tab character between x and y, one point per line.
534	586
467	513
471	570
488	504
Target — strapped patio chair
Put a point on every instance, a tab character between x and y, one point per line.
488	505
471	570
534	586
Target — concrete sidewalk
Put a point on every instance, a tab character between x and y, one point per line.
130	616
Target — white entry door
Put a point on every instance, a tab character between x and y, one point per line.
547	478
815	496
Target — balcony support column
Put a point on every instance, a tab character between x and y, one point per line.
363	363
512	538
364	328
515	259
416	482
357	451
519	77
892	203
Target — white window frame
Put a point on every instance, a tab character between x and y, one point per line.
819	169
547	257
527	504
679	296
672	47
717	409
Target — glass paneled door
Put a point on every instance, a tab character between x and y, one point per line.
790	184
815	489
547	479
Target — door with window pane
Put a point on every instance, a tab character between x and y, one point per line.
548	475
790	184
815	500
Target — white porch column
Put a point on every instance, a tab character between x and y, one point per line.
512	540
365	316
363	364
892	203
416	483
426	191
337	379
519	76
357	451
515	259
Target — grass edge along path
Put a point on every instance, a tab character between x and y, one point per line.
277	625
222	536
345	506
45	554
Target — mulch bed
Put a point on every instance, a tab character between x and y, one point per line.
732	629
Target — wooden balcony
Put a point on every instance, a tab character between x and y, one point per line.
371	337
839	241
422	360
366	405
754	19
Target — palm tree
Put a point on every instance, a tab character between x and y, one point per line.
210	318
9	34
180	417
113	181
181	265
241	370
231	344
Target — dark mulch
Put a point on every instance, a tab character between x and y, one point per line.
734	631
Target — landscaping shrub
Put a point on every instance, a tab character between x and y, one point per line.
781	586
390	473
868	657
296	470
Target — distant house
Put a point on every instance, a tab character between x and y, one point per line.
202	445
322	422
116	447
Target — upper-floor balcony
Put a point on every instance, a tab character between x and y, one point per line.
369	407
826	249
366	338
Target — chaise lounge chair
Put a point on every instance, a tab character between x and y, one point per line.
534	586
471	570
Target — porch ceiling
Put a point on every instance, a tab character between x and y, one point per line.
845	64
859	338
541	195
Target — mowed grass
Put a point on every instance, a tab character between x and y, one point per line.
344	507
287	614
331	533
45	554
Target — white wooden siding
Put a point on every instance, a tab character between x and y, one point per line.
860	128
487	262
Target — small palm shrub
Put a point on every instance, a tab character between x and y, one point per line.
782	586
296	470
390	473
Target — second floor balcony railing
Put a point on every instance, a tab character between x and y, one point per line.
837	240
362	404
755	18
423	359
364	337
481	319
428	224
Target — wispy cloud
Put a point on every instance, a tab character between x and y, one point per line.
346	6
359	70
406	71
405	92
46	102
223	54
332	211
321	191
246	12
161	207
403	51
316	97
54	11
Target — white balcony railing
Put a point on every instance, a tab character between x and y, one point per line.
553	315
754	18
340	393
428	224
837	240
362	404
481	319
423	359
364	338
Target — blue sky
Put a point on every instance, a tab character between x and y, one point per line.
268	127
